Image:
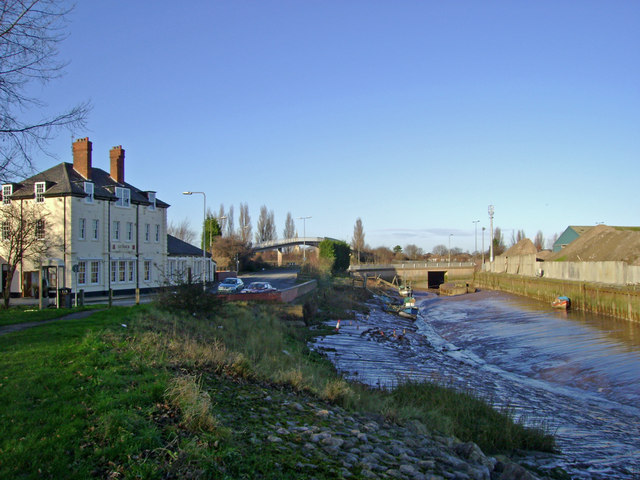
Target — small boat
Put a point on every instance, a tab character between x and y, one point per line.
562	302
392	308
405	290
409	312
409	302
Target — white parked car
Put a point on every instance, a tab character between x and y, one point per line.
230	285
259	287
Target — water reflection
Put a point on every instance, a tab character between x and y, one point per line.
578	372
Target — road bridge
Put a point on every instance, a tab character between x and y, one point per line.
434	273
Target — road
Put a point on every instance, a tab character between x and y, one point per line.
279	278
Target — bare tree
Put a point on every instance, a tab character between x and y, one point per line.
440	250
357	242
24	237
289	227
230	226
271	226
30	33
182	230
498	242
517	236
382	255
244	229
289	230
413	251
539	240
266	226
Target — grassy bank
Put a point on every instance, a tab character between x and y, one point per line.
171	392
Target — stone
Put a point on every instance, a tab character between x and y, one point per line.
513	471
274	439
406	469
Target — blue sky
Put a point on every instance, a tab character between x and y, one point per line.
412	115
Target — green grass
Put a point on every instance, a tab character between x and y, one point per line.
176	395
31	313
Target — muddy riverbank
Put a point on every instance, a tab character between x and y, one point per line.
561	370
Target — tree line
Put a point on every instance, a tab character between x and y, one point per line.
362	252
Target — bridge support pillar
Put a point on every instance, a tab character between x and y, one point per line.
279	250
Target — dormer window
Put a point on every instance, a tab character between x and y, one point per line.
39	189
7	191
88	189
152	200
124	197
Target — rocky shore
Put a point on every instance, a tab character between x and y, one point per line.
361	446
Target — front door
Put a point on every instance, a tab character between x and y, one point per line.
30	284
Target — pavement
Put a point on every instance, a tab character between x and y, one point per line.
125	300
23	326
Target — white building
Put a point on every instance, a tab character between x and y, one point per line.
185	262
108	234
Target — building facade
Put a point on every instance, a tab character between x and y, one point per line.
186	263
102	232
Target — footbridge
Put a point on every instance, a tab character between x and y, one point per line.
433	273
281	244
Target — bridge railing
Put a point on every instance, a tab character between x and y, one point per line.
410	265
287	242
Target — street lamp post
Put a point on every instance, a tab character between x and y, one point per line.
476	228
491	211
204	227
450	235
483	229
304	238
222	219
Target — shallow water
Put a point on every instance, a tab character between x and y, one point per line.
577	373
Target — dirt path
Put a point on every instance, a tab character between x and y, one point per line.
23	326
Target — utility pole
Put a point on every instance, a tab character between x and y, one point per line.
476	225
304	238
483	229
491	211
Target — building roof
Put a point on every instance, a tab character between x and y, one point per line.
64	180
580	229
603	243
180	248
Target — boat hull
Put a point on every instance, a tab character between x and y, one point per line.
561	303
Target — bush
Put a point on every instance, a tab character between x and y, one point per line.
188	297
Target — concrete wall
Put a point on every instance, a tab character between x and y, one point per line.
614	273
616	301
415	271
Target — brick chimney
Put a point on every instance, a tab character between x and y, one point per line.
117	163
82	157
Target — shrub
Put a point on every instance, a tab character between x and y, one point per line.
188	297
